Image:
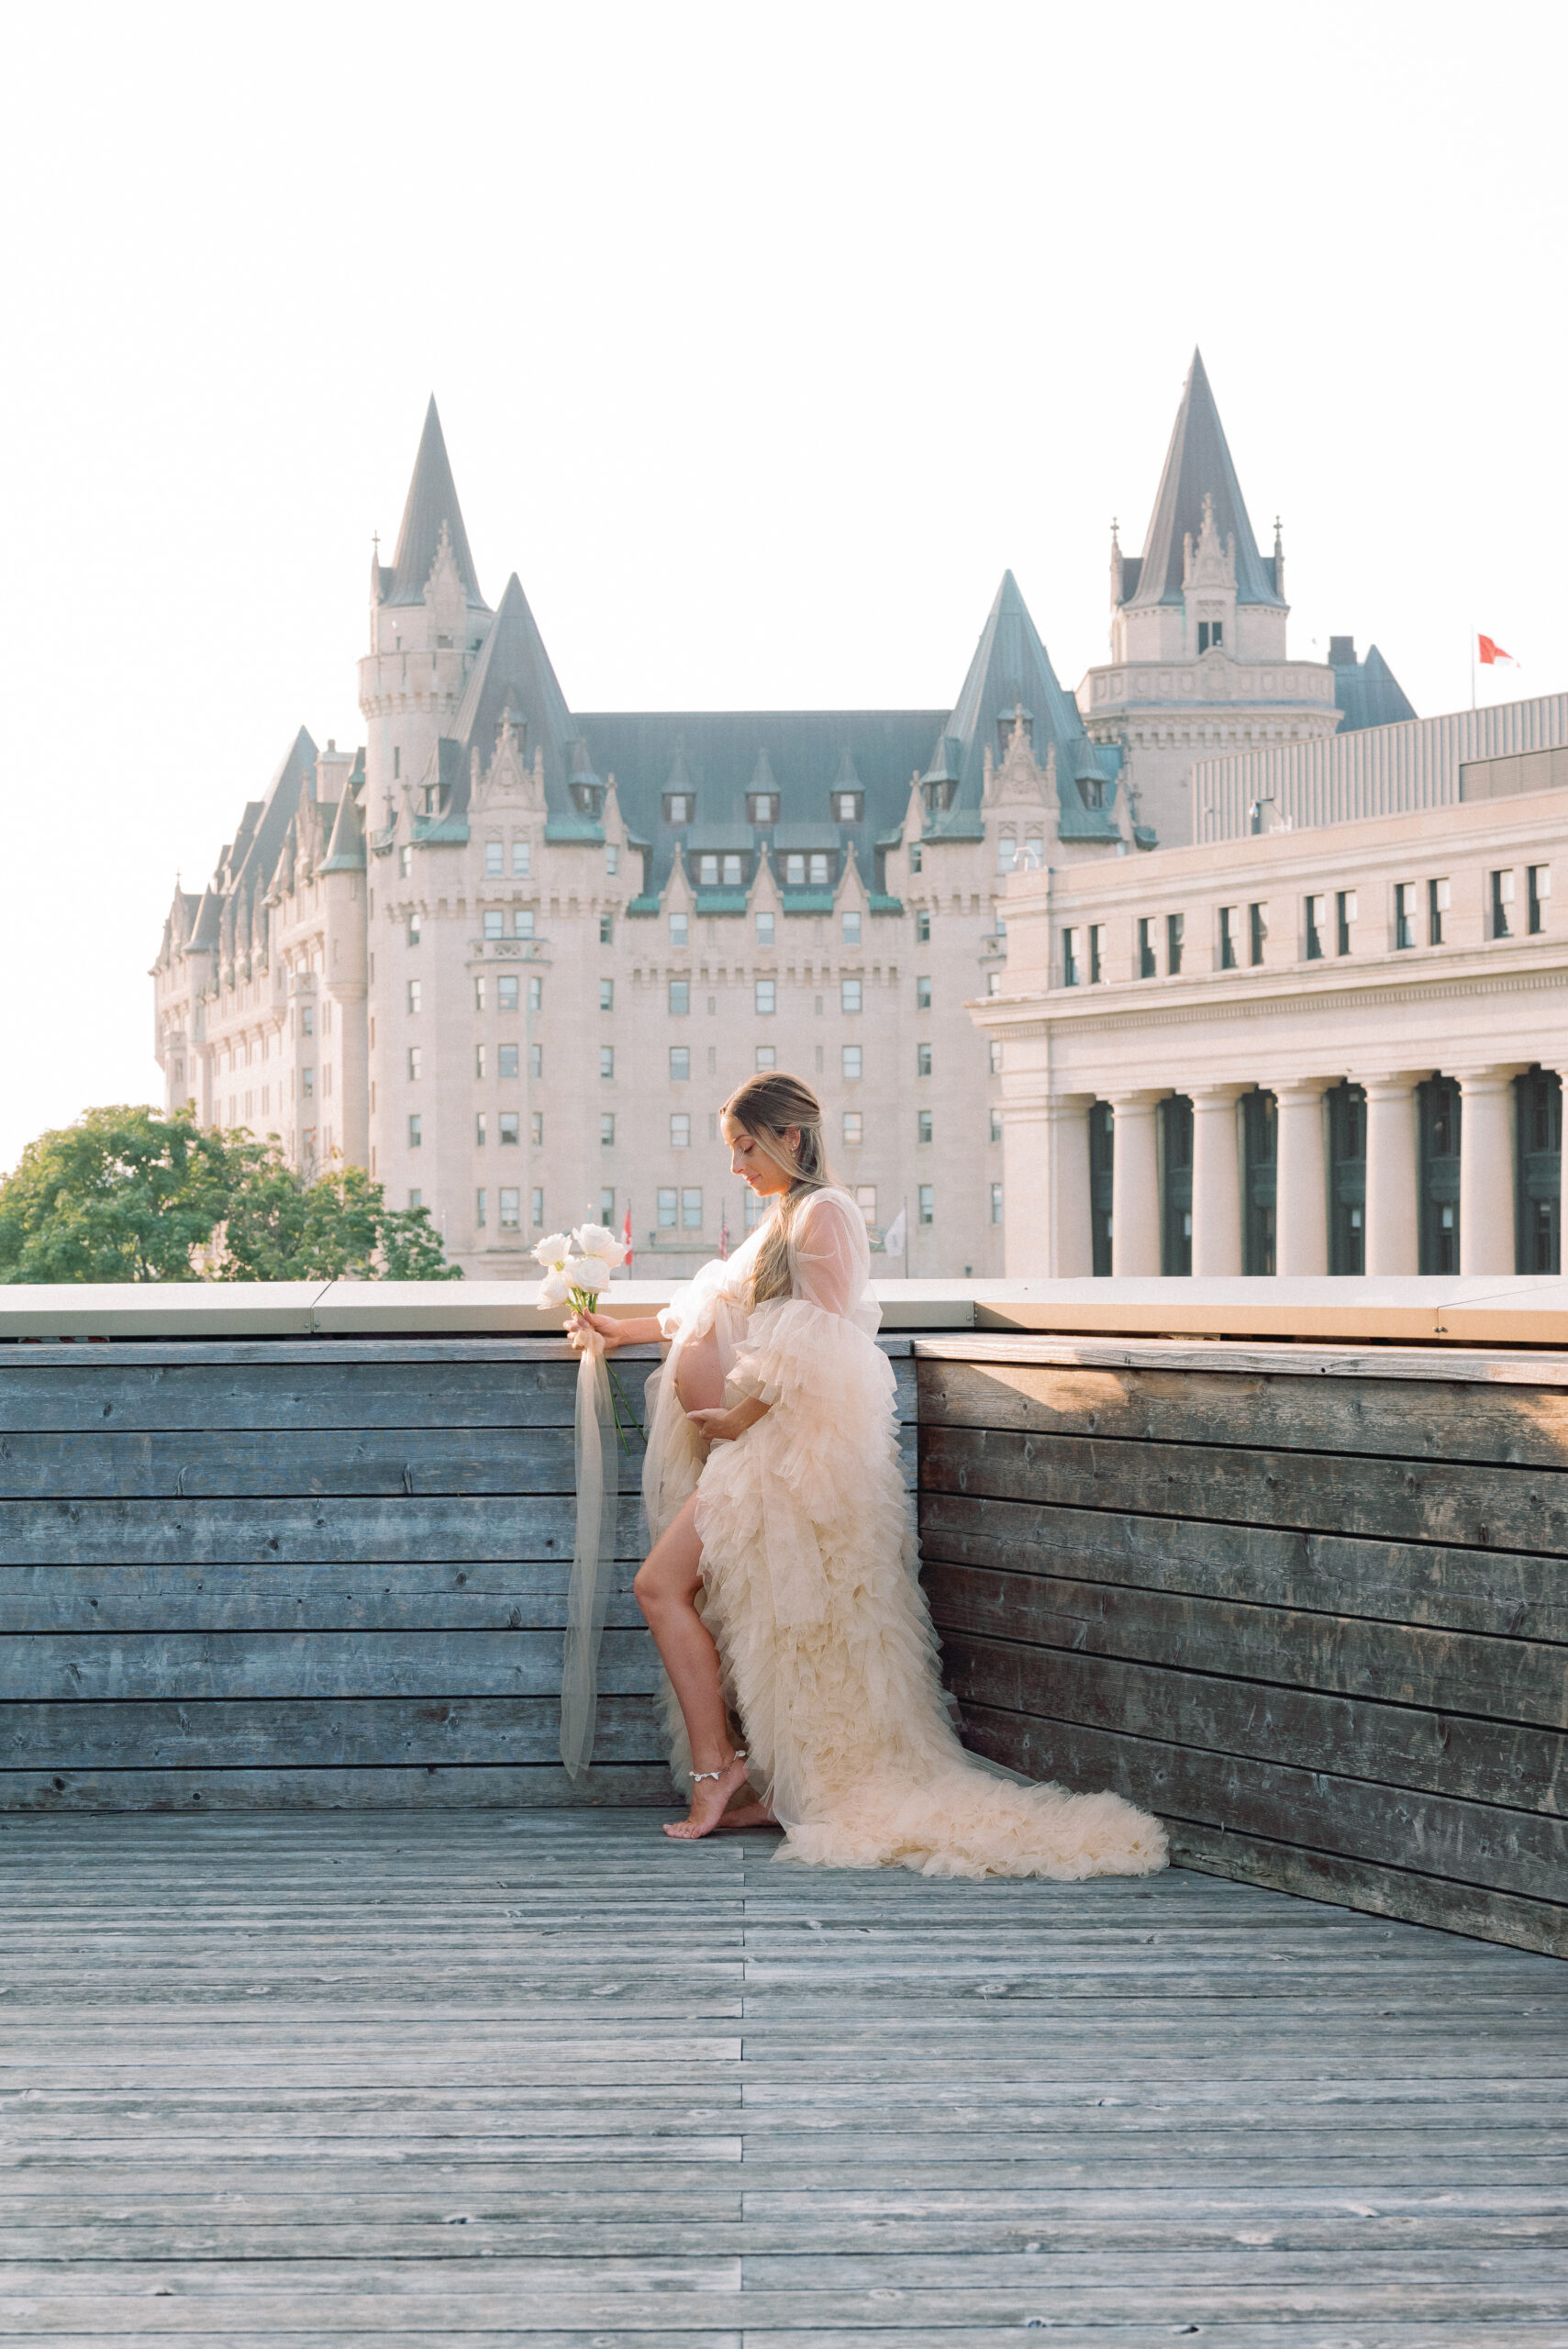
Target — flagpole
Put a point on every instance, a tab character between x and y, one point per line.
1473	666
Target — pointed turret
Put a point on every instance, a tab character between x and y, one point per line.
512	678
346	849
1011	683
432	502
1197	464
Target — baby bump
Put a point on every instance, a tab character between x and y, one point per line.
699	1374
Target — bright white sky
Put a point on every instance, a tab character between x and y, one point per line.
765	339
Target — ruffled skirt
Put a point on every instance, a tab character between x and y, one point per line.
829	1660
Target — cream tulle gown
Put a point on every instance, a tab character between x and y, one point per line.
809	1589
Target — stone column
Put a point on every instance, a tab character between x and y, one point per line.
1393	1225
1301	1178
1216	1180
1067	1139
1486	1188
1134	1186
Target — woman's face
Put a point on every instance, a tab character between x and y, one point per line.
755	1165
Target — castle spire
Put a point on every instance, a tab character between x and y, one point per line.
432	503
1197	464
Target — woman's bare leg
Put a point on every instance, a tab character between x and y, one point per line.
666	1586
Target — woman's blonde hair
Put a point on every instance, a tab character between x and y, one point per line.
766	1107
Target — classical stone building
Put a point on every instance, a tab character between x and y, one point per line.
1329	1040
512	956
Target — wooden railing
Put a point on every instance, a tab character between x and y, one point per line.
1308	1602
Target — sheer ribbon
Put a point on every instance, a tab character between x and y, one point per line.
593	1555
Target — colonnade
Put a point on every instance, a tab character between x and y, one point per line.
1391	1210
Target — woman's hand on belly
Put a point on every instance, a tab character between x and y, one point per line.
723	1427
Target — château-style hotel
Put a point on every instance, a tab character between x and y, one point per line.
511	957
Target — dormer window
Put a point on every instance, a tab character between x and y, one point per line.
679	807
847	806
937	797
707	872
761	807
1210	635
587	798
1092	788
431	796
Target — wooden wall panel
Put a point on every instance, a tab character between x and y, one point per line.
329	1572
1319	1623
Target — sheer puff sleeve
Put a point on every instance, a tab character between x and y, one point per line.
813	1347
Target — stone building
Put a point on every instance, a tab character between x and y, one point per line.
1330	1046
512	957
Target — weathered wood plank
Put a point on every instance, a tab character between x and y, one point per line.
1465	1759
1509	1594
1462	1671
428	1787
497	1595
368	1530
1466	1843
362	1732
1424	1420
1486	1507
430	1666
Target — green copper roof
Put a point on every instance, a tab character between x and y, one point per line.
432	501
1197	463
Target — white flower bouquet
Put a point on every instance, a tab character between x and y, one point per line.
577	1266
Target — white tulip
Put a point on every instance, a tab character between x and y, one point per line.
586	1273
554	1287
598	1239
553	1250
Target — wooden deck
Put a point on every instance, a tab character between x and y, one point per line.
425	2078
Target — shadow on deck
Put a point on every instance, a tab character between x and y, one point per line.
317	2078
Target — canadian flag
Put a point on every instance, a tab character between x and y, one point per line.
1491	653
627	1234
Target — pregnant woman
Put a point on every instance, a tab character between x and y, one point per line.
781	1584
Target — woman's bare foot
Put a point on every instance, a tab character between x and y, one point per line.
710	1800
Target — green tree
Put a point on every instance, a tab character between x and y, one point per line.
129	1194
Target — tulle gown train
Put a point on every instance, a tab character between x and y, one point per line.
810	1590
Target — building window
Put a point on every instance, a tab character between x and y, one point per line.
506	993
1439	1109
606	930
522	921
509	1128
307	1084
479	1058
678	806
1317	922
764	929
1096	953
493	922
494	857
922	995
996	1125
922	930
707	872
766	1058
405	864
680	998
1538	888
1345	912
478	996
922	1124
854	1128
507	1063
996	1058
1146	962
669	1205
1257	933
677	930
416	1063
922	1060
734	875
1069	961
1404	913
415	1199
306	1027
1175	927
849	991
1538	1223
1210	635
819	870
1175	1140
607	994
539	1207
680	1064
607	1207
766	996
480	1134
397	764
995	1203
507	1204
416	995
927	1200
481	1208
415	1132
607	1130
1228	939
691	1210
1007	850
865	1199
612	858
681	1131
852	1059
414	929
761	807
1259	1148
917	856
1502	905
522	860
1102	1184
794	870
847	806
1347	1180
607	1060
